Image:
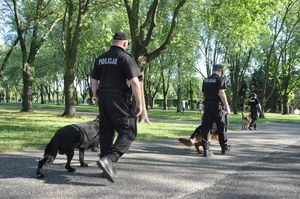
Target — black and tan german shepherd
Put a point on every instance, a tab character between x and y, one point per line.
246	120
196	138
82	136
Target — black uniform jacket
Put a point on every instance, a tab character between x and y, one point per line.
114	69
211	87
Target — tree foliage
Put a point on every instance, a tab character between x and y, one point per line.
50	48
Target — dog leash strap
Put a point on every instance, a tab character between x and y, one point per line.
78	129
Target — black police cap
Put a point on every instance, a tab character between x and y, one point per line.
217	66
120	36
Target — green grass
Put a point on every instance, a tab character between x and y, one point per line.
19	131
275	117
159	113
233	118
26	131
164	130
61	107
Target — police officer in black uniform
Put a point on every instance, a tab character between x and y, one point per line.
115	77
255	107
216	109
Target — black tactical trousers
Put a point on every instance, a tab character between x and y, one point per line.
254	116
115	115
214	112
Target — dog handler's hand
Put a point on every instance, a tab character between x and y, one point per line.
138	110
227	111
96	101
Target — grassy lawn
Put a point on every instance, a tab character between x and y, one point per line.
159	113
79	108
25	131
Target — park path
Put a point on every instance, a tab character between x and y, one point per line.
262	164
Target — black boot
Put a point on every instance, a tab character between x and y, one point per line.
225	148
106	165
206	152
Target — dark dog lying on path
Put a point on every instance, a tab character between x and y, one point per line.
196	138
82	136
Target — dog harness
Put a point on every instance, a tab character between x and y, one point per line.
83	133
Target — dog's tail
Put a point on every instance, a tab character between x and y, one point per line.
51	149
186	142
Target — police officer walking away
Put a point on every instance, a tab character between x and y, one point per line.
115	77
215	109
255	107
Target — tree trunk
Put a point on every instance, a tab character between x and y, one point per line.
7	95
69	90
191	96
84	96
57	93
144	116
152	102
178	99
165	102
147	95
285	104
27	88
147	100
42	94
48	92
165	91
90	101
76	96
235	89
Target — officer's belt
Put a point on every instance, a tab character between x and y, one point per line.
112	90
213	100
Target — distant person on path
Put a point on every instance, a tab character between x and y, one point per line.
216	109
200	108
183	106
255	107
115	77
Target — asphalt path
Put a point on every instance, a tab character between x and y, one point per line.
262	164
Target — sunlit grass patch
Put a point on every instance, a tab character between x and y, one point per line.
164	130
19	131
26	131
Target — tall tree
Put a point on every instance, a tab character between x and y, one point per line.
271	61
289	77
238	62
142	33
237	24
75	13
31	35
152	82
6	58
